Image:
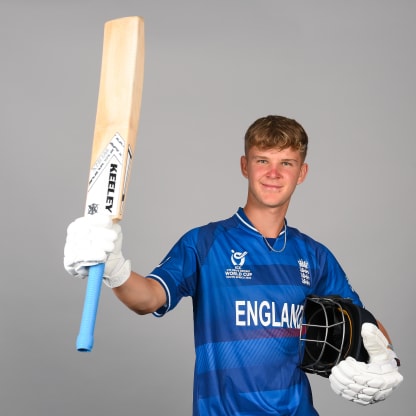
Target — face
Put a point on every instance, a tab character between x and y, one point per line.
272	175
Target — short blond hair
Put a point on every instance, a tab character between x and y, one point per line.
276	131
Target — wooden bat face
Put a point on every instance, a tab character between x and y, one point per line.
117	118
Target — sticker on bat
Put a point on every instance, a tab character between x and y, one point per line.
105	181
126	177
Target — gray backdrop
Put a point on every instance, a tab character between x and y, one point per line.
345	70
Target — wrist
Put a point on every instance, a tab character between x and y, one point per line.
119	274
395	357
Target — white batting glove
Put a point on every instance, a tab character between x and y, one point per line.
369	383
95	239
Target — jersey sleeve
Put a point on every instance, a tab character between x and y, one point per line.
177	272
333	280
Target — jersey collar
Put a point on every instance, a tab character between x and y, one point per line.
241	215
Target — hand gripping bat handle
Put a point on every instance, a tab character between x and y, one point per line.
85	339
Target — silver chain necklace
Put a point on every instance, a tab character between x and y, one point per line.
284	243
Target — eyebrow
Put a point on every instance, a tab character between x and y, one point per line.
286	159
290	160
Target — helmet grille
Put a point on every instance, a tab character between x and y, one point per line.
326	333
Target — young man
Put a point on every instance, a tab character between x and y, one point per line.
248	277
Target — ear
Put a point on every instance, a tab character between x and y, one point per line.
243	166
303	173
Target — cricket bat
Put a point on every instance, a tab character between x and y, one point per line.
115	132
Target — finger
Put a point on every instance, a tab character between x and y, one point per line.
383	394
341	376
99	220
374	342
336	385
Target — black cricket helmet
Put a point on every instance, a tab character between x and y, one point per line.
330	332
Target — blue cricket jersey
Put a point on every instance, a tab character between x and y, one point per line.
247	303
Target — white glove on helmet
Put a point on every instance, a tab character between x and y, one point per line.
368	383
95	239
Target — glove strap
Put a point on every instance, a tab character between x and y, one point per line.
390	347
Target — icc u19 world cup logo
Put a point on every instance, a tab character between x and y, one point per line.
238	258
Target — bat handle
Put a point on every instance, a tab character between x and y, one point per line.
85	339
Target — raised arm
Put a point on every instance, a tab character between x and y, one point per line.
140	294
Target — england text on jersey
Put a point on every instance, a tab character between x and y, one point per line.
268	314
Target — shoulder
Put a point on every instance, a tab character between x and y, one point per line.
212	229
203	237
218	227
306	239
310	245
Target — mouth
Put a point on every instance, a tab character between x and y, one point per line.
272	187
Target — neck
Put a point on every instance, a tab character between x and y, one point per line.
268	221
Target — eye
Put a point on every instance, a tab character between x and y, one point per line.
261	161
289	162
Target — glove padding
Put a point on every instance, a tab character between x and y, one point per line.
368	383
95	239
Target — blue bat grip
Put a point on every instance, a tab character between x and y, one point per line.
85	339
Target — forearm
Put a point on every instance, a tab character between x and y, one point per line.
390	346
140	294
384	331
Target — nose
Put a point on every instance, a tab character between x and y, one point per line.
274	172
